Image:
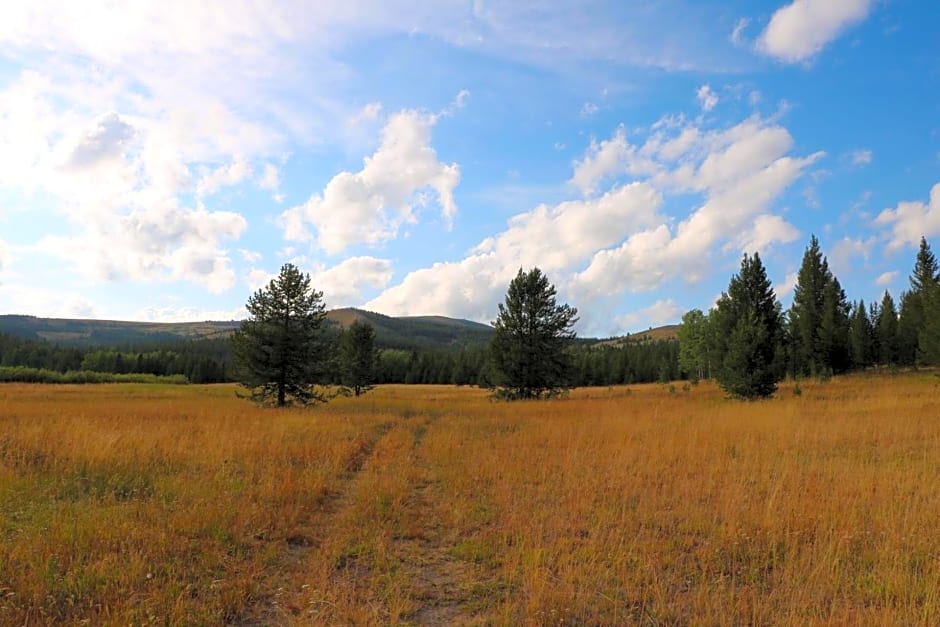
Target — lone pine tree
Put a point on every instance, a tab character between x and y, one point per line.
748	333
529	348
280	351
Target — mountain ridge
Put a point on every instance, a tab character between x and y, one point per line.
399	332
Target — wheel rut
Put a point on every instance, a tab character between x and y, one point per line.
279	600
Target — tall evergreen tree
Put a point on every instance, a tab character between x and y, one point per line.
819	317
833	334
860	334
281	351
747	333
806	310
357	357
923	310
928	343
887	332
529	348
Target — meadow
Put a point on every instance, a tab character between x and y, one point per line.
140	504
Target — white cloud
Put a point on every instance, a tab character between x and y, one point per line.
251	256
659	313
108	139
552	238
798	31
188	314
342	284
600	161
766	230
226	176
910	221
617	242
861	157
886	278
706	97
51	303
368	113
164	243
737	34
370	205
785	287
740	171
589	109
845	250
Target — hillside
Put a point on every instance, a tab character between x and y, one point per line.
404	332
391	332
665	332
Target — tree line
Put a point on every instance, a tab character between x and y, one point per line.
748	343
197	361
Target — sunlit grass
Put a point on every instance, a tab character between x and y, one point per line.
651	504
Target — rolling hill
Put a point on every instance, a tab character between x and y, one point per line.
403	332
391	332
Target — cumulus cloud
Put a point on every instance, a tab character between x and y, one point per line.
40	301
600	161
108	139
164	243
620	241
659	313
707	97
342	285
799	30
910	221
783	288
886	278
226	176
861	157
552	237
845	250
370	205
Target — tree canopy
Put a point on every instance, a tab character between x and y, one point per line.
747	336
357	357
281	351
533	332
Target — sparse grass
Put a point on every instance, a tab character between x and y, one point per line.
131	504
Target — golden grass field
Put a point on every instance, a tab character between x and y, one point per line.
135	504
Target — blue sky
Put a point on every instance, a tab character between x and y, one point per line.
161	161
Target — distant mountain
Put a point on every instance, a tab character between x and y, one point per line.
391	332
408	332
403	332
665	332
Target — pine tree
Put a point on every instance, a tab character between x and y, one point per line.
280	351
747	334
832	336
819	318
860	331
357	357
924	310
529	347
887	331
928	345
806	310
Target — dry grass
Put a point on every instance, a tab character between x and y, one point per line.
130	504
